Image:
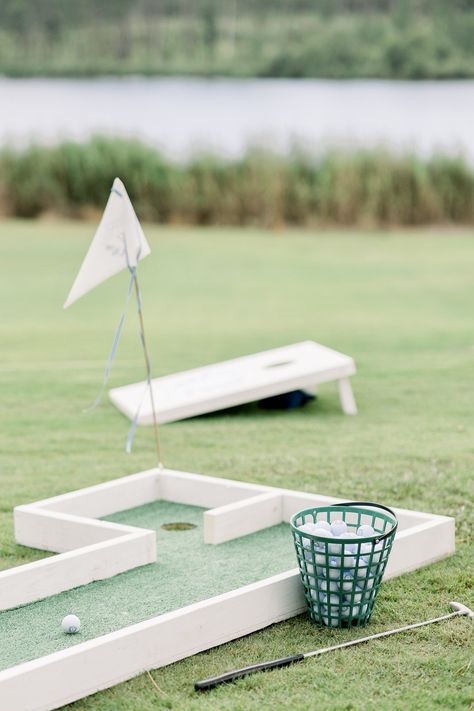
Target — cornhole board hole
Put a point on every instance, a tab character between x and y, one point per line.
301	366
180	592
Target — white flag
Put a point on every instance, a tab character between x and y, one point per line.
119	243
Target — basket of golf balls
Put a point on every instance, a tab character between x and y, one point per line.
342	553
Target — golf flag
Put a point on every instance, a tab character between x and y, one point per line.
118	244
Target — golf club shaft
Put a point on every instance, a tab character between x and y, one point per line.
352	642
230	676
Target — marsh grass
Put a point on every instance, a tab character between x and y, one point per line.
362	187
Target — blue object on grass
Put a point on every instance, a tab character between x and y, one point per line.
287	401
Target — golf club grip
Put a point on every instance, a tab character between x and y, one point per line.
207	684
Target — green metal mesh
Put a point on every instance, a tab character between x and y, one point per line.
341	576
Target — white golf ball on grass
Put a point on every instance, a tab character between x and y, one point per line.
71	624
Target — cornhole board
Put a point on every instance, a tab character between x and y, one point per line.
93	550
301	366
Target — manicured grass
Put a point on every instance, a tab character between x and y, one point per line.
401	304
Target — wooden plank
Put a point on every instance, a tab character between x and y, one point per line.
35	581
64	677
422	545
234	382
56	532
205	491
243	517
109	497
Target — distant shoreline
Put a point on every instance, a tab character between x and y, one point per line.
206	38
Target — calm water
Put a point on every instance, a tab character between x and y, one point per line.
182	115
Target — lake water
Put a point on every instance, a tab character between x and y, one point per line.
184	115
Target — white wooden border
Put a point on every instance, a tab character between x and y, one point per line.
64	523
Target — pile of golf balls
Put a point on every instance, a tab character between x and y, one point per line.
71	624
345	568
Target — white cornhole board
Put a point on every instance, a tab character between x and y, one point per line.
91	550
241	380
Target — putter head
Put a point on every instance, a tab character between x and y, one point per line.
462	609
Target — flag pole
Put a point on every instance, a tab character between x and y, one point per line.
148	369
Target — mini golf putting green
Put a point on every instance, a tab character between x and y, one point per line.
187	571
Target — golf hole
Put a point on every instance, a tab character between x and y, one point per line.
178	526
279	365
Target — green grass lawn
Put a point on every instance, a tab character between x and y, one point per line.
401	304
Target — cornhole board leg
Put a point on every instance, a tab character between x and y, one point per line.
346	396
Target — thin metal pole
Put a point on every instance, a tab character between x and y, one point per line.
148	370
382	634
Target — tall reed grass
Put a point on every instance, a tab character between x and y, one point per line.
363	187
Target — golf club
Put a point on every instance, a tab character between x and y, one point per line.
460	610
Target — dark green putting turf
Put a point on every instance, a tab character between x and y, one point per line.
187	571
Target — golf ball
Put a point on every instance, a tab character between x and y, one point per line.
349	561
71	624
356	595
334	568
330	585
350	548
338	528
365	531
323	524
371	552
369	584
347	580
306	528
329	599
362	571
323	533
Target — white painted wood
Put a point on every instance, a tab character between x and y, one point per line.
60	678
51	531
294	501
205	491
63	677
346	396
234	382
421	545
243	517
35	581
109	497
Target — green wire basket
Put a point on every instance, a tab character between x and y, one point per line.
341	576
